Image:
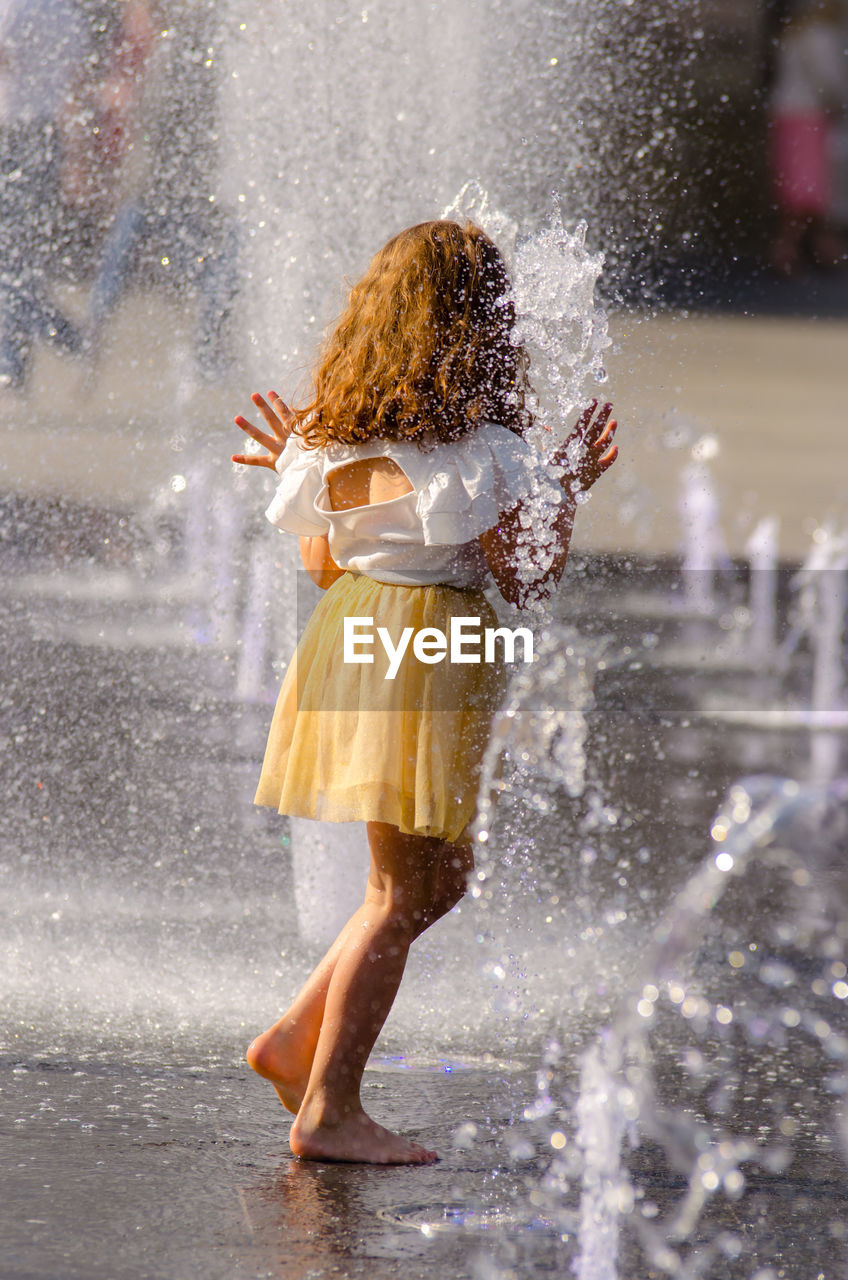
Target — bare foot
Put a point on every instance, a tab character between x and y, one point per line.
356	1138
282	1056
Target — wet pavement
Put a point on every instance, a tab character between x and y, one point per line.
114	1170
150	931
130	1172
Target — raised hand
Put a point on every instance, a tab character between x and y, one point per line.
279	418
589	450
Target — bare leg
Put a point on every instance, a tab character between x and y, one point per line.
284	1053
455	867
400	900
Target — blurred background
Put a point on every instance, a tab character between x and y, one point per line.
185	185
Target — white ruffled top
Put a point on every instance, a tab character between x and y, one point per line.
428	535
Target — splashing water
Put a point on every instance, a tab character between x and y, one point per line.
709	1136
542	724
559	320
606	1191
727	1082
565	332
298	239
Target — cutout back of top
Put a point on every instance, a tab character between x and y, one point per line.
368	482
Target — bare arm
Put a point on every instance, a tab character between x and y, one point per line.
501	548
318	563
314	552
588	453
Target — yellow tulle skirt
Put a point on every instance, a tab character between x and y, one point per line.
348	745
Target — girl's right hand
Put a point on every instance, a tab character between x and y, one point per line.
279	418
589	450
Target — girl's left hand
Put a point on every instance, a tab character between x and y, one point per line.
279	418
589	450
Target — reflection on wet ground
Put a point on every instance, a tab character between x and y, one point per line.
120	1170
150	930
184	1171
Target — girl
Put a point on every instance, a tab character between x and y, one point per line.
404	478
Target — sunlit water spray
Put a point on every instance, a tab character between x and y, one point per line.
725	996
550	955
160	938
709	1109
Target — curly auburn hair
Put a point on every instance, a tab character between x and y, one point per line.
424	349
